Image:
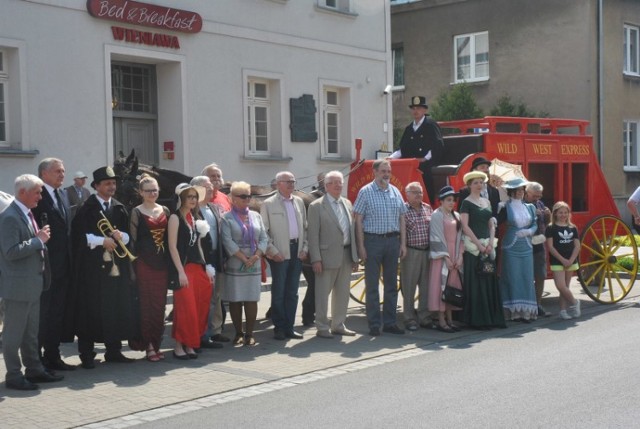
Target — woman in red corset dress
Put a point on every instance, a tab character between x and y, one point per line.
148	228
192	280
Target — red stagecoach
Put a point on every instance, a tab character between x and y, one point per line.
559	154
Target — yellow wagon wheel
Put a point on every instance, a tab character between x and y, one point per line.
605	242
358	292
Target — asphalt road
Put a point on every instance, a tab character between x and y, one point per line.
581	373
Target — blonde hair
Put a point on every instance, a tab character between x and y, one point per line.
239	186
145	179
554	211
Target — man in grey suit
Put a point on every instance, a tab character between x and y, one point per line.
77	194
22	264
332	250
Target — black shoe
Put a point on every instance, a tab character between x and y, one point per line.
374	332
192	355
21	384
429	325
308	322
59	365
279	335
220	338
393	329
295	335
88	364
45	377
181	357
210	345
117	358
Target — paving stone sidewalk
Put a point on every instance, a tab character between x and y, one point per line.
117	390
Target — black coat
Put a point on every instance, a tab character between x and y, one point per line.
104	304
416	144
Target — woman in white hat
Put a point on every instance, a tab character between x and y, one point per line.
516	275
192	279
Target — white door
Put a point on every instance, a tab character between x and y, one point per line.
137	134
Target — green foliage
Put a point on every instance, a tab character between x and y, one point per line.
397	135
506	107
624	240
455	104
626	262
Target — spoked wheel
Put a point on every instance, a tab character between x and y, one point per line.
358	292
604	243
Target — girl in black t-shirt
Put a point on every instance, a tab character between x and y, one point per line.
564	245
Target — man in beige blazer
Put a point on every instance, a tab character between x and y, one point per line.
285	220
333	255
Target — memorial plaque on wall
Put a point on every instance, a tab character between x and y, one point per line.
303	119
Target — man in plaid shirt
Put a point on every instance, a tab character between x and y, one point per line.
414	268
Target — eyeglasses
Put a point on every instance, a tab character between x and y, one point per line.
192	197
415	192
243	196
288	182
150	191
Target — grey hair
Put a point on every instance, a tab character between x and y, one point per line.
413	185
46	164
199	180
26	182
335	174
281	174
212	166
534	187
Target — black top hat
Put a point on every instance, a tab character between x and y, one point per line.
418	101
103	173
445	192
479	161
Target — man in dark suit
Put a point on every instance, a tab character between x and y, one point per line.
22	265
422	139
104	302
489	192
77	194
53	210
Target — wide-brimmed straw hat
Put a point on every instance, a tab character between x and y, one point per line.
475	175
182	187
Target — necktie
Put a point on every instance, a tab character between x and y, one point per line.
34	225
59	202
79	191
106	207
342	219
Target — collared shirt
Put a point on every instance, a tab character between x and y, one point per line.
380	208
50	189
208	215
222	201
417	125
340	210
78	191
417	224
25	211
291	216
93	240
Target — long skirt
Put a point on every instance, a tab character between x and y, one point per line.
191	307
152	296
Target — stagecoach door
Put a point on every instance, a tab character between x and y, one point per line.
134	103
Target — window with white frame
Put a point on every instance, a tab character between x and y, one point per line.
335	122
631	50
4	79
258	105
397	58
630	144
337	5
471	57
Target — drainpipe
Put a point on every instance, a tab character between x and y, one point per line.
600	85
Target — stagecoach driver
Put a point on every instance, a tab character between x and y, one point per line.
414	268
285	220
380	232
333	255
104	304
422	139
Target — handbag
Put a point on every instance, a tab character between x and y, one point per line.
486	266
452	295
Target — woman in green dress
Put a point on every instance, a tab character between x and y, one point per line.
483	303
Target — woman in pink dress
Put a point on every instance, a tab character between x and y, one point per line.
445	250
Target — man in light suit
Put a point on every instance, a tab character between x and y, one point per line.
55	316
285	220
22	264
333	255
77	194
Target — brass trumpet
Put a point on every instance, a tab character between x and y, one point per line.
107	230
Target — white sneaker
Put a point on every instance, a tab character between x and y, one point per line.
576	309
564	315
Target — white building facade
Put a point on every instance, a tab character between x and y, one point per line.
256	86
